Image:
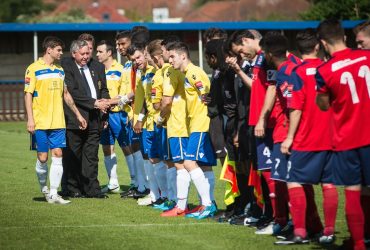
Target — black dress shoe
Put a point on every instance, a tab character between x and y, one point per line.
128	194
98	196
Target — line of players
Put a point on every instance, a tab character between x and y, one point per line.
287	137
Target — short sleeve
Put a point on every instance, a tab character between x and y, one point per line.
297	99
30	80
170	82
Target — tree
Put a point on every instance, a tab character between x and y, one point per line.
339	9
11	9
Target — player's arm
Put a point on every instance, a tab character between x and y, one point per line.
166	104
294	119
268	104
233	63
140	120
30	120
71	104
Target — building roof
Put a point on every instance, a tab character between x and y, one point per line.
242	10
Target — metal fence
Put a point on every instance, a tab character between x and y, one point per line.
12	101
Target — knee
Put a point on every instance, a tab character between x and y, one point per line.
42	157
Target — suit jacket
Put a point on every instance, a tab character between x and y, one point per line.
76	87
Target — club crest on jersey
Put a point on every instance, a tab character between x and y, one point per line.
199	85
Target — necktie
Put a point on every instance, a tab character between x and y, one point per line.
87	87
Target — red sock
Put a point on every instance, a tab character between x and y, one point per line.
298	205
281	191
330	207
314	224
355	218
365	203
271	185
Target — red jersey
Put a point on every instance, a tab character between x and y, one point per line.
313	133
262	77
283	91
346	78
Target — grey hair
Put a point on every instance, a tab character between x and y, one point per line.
77	44
256	34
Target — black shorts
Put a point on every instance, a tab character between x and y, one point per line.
216	132
243	139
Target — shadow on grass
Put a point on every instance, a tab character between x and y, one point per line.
39	199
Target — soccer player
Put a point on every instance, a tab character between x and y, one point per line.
144	119
310	157
198	148
44	94
118	120
155	51
133	156
362	32
276	46
343	83
244	44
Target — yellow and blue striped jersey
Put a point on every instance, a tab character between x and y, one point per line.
197	84
46	84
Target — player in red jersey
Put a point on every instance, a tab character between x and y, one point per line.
362	32
343	83
310	158
275	46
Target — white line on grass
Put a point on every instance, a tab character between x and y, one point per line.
109	225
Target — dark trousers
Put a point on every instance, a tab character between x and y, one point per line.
80	161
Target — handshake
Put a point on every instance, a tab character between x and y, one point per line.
105	104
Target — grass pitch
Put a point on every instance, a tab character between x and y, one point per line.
28	222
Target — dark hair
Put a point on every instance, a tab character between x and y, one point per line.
170	39
134	47
331	31
364	27
52	42
237	36
87	37
306	41
109	46
179	47
140	34
123	34
275	43
214	33
215	47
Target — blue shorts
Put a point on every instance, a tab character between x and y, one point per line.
117	130
264	151
281	164
133	137
352	167
200	149
178	146
164	145
152	142
49	139
309	167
